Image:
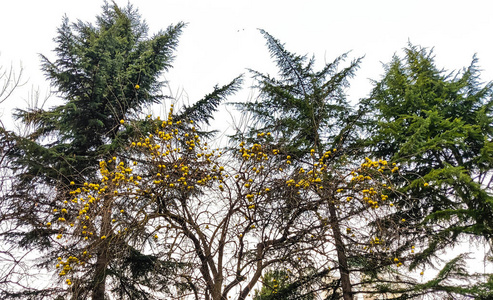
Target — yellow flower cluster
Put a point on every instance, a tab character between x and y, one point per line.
173	163
255	151
67	266
120	189
374	195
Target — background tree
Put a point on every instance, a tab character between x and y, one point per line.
307	113
225	219
303	108
106	74
12	265
438	128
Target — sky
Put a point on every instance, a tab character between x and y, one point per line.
222	40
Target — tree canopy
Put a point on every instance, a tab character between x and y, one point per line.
438	128
318	197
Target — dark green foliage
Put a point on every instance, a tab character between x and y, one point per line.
32	294
282	285
134	276
303	108
202	111
438	128
444	284
104	73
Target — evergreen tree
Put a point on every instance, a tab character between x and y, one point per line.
303	107
304	110
276	285
438	128
105	74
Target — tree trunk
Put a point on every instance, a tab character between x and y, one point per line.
347	293
102	252
100	275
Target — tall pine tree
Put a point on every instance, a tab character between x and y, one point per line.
438	128
105	74
306	109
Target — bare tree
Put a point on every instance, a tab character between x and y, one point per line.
13	270
222	220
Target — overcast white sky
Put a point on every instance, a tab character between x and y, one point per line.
222	40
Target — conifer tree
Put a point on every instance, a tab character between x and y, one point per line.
227	218
438	128
105	74
306	109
